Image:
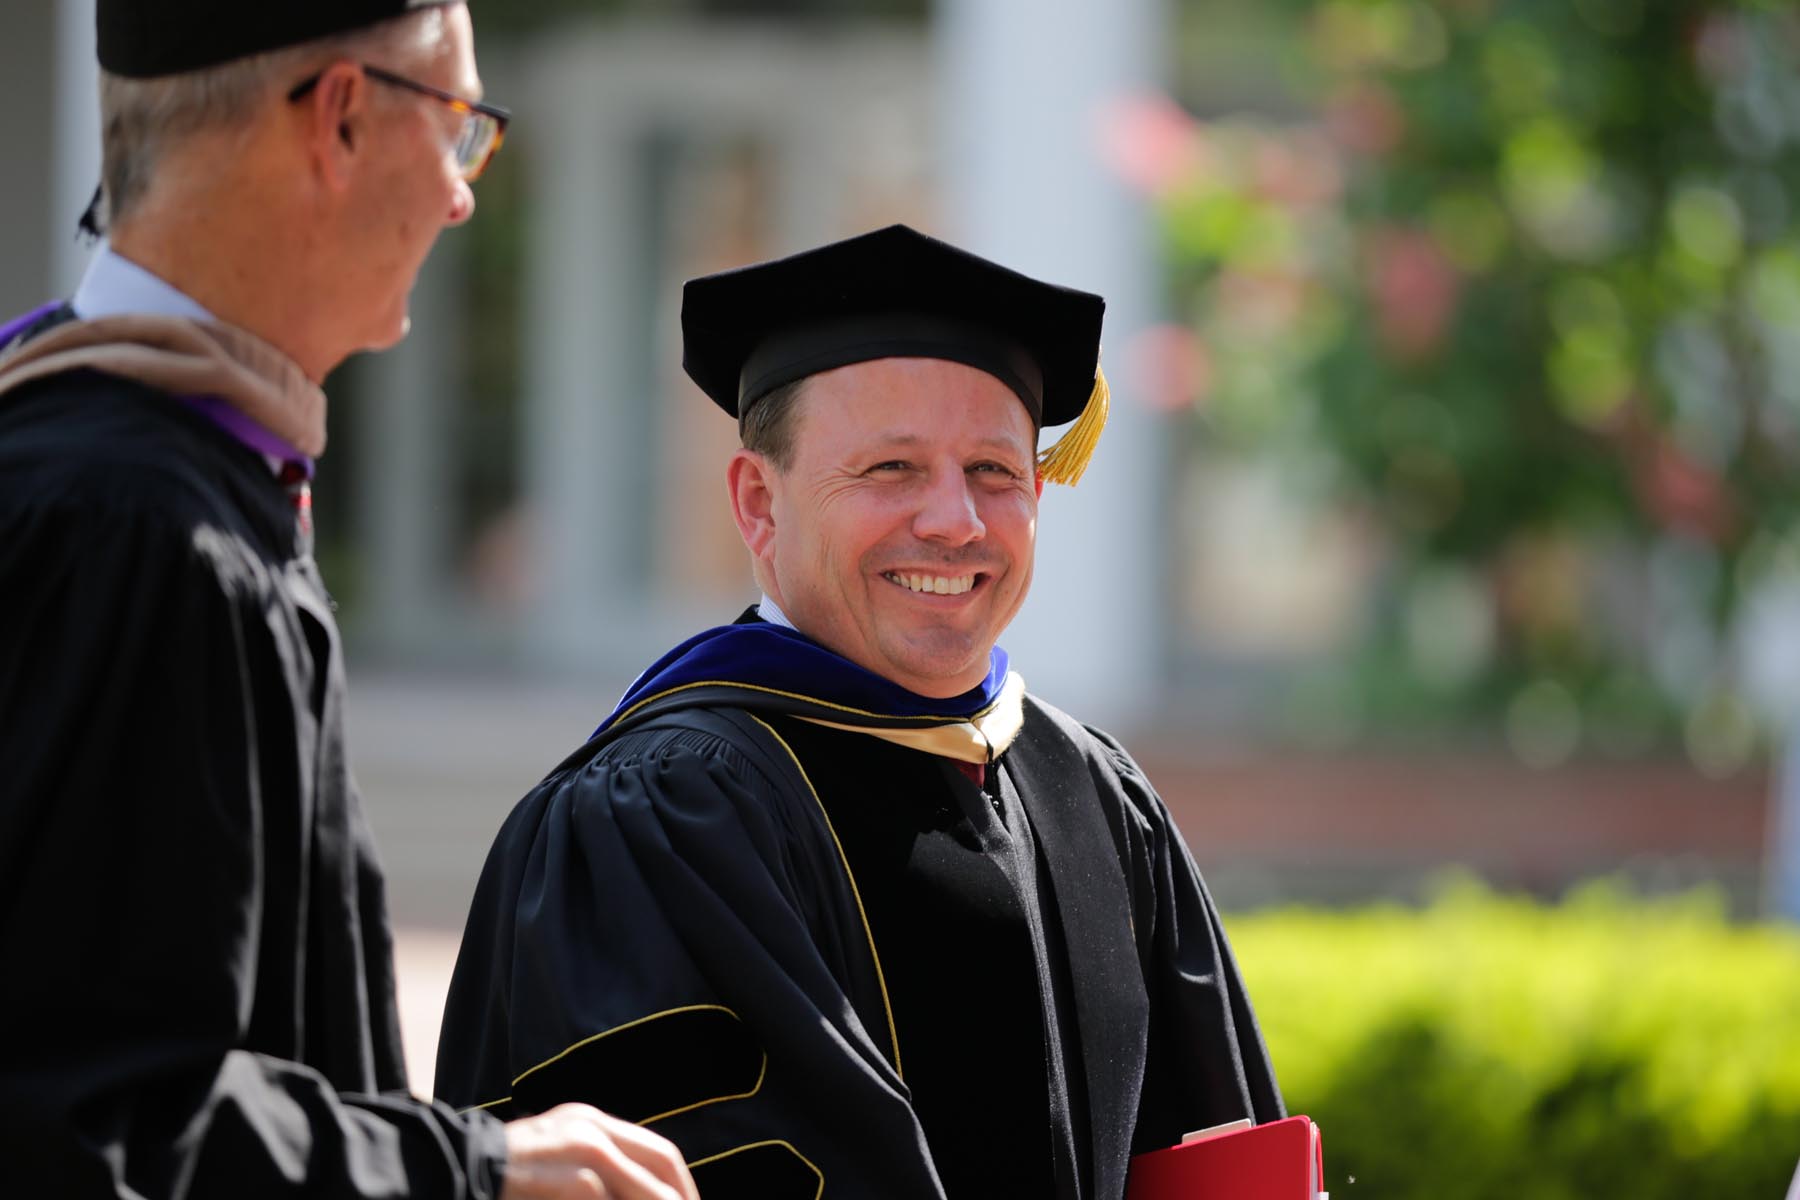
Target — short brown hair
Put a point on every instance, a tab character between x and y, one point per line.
767	426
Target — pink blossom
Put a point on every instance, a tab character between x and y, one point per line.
1150	141
1414	289
1365	118
1169	367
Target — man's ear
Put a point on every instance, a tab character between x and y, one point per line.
334	117
753	479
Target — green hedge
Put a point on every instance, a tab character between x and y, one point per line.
1488	1046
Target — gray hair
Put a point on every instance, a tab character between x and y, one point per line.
142	119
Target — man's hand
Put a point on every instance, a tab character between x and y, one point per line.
577	1151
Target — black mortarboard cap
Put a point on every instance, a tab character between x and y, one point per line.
896	293
142	39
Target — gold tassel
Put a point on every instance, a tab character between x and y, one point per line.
1069	457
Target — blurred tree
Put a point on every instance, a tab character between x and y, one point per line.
1529	272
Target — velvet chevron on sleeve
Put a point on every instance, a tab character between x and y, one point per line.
665	930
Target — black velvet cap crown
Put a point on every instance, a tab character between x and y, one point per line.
893	293
141	39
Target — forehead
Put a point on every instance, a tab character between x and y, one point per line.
459	42
915	400
446	57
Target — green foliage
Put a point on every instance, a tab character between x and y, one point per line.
1531	277
1492	1047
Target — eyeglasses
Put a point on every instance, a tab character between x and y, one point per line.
483	128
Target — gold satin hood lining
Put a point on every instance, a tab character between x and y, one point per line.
978	740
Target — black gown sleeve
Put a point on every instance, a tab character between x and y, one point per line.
138	731
666	928
1206	1062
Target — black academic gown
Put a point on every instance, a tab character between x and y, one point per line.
827	965
198	994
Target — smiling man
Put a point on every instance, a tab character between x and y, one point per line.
887	924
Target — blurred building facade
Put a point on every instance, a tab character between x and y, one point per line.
525	503
656	153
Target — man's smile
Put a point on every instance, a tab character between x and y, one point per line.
939	585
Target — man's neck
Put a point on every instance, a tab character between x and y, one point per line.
234	279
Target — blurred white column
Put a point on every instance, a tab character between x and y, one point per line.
1783	863
1028	87
578	467
401	419
75	169
1767	647
29	144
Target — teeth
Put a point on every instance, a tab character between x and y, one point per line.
938	585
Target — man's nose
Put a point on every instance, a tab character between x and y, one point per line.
948	513
462	202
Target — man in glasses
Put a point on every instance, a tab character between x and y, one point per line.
199	995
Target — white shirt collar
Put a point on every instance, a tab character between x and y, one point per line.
769	611
115	286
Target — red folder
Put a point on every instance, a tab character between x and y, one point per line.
1281	1160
